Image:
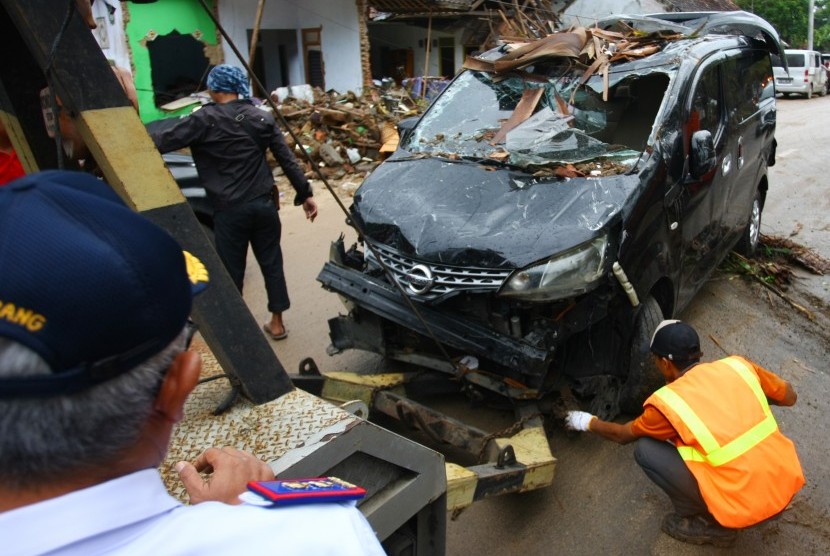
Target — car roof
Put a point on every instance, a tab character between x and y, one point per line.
670	54
637	44
698	24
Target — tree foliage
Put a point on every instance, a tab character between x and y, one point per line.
789	17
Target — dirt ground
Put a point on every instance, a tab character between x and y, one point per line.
600	502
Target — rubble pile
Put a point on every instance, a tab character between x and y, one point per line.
346	134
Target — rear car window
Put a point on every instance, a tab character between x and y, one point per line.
796	60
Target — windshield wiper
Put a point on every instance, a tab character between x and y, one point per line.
486	161
461	159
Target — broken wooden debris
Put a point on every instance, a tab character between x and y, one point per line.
597	49
796	253
345	133
717	343
770	267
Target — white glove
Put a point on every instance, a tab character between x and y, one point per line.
578	420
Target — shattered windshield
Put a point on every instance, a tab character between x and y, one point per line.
545	120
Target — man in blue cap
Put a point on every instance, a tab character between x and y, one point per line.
94	374
228	139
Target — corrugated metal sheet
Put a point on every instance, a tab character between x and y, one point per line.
700	5
420	6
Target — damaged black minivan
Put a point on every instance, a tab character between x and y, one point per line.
558	200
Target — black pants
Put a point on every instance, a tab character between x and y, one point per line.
662	463
256	222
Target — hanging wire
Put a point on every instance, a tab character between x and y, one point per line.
322	178
47	70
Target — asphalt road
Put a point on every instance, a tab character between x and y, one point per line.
600	502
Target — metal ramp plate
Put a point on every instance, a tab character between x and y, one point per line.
268	430
301	435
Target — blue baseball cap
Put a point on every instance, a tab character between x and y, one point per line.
87	283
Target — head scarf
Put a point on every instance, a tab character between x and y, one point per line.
228	79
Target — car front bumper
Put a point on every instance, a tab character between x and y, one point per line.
465	336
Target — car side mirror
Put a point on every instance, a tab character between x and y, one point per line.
702	158
405	127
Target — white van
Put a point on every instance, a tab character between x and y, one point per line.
806	74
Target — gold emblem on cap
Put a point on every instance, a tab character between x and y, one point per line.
196	271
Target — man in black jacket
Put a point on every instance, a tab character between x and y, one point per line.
228	139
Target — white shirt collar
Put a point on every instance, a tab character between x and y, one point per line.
58	522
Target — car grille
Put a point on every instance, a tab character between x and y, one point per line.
440	280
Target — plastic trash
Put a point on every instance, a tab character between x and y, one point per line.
354	155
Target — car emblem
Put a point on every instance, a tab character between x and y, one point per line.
419	279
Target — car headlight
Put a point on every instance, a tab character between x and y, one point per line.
565	275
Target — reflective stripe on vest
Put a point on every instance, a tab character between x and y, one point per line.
713	453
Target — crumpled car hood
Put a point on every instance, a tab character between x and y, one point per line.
465	214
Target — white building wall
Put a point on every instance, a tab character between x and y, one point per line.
341	40
401	36
340	35
110	32
586	12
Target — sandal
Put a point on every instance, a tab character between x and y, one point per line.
267	330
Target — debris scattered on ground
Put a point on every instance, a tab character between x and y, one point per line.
771	267
717	343
796	253
796	229
803	366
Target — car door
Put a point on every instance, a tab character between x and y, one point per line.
704	198
751	114
819	75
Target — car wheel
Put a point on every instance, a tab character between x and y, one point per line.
643	376
748	244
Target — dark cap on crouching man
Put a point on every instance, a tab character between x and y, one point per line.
94	374
709	439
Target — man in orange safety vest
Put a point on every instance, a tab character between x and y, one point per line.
709	439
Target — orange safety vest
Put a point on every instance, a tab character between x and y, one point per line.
746	469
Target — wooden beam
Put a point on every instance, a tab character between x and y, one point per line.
426	57
55	47
365	46
255	33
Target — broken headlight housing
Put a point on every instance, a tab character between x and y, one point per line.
567	274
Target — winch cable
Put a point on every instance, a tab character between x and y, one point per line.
349	220
47	71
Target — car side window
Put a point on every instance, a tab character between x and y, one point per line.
706	110
747	77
